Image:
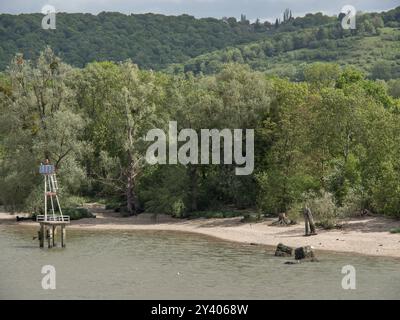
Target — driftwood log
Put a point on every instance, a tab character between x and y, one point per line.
25	219
293	262
283	251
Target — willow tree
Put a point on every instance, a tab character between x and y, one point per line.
38	121
233	99
123	103
284	171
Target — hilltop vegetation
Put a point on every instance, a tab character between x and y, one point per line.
151	40
371	47
377	55
183	43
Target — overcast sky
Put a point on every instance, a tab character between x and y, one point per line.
263	9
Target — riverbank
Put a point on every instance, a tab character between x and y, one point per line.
367	235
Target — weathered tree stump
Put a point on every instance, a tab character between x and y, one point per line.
305	253
309	222
283	220
283	251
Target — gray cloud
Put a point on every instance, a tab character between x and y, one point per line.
264	9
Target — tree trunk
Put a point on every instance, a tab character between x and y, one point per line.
129	197
283	220
193	187
132	202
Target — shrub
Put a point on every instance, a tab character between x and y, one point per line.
113	204
73	201
247	217
352	204
295	213
35	202
213	214
323	209
326	224
78	213
178	208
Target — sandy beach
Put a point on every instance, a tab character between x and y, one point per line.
367	235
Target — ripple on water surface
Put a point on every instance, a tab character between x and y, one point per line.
171	265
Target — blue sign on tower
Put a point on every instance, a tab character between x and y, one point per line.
46	169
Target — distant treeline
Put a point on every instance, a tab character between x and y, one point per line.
373	46
151	40
156	41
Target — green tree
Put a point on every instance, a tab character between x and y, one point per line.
283	171
126	103
38	121
322	74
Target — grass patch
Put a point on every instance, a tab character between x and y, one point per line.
75	201
219	214
114	204
248	217
395	230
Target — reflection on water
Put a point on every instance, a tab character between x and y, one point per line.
168	265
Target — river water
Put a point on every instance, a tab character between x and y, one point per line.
170	265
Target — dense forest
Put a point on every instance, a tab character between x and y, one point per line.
326	134
332	138
151	40
373	47
203	45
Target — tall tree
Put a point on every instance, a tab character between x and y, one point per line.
39	121
126	103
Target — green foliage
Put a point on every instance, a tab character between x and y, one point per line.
383	70
185	44
151	40
353	203
214	214
394	88
251	218
77	213
113	204
164	190
285	54
323	208
321	74
38	121
334	135
283	174
295	212
74	201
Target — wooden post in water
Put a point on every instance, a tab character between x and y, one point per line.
41	235
49	230
50	237
63	236
54	232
